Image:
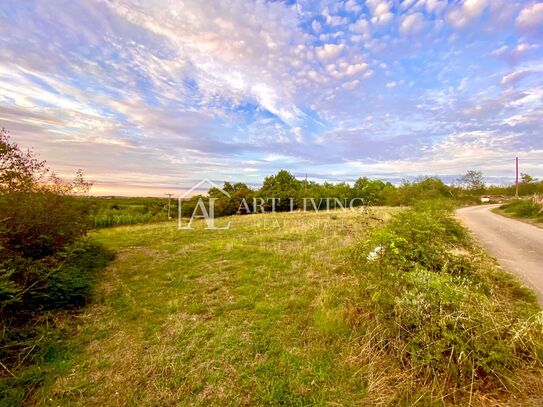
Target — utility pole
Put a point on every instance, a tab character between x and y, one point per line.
516	182
169	205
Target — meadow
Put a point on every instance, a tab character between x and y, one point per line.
286	309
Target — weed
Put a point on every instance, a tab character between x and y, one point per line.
524	208
430	303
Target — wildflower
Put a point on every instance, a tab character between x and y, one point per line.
374	254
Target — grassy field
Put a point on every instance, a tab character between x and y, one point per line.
260	314
249	315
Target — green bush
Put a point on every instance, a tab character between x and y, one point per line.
428	188
433	308
36	299
39	223
39	213
46	264
29	286
524	208
32	295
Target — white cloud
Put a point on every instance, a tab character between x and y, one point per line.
332	20
524	46
298	134
361	26
523	50
344	69
316	26
433	6
514	77
465	14
381	11
412	24
353	6
228	53
531	18
329	51
356	68
405	4
351	85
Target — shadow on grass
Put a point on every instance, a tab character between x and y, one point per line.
39	318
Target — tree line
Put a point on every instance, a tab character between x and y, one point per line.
290	193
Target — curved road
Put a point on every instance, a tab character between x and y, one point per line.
518	246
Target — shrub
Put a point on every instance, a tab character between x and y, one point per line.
32	292
424	189
431	305
37	224
19	170
39	214
29	286
45	263
41	221
524	208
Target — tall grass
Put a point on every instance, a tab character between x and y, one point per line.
433	304
110	219
109	214
524	208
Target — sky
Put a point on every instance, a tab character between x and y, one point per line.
151	96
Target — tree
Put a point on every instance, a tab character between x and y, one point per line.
472	180
39	212
373	192
229	205
424	188
527	179
19	170
284	186
361	182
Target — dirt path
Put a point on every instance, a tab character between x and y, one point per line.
518	246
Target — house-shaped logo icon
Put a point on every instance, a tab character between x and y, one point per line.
205	213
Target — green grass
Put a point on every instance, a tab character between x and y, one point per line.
266	313
117	218
252	314
107	212
524	209
36	321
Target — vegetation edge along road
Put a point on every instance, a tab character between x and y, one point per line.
528	210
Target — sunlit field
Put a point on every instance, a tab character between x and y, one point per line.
249	315
275	311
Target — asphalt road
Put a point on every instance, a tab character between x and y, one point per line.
516	245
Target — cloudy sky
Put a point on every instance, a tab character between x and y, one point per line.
149	96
